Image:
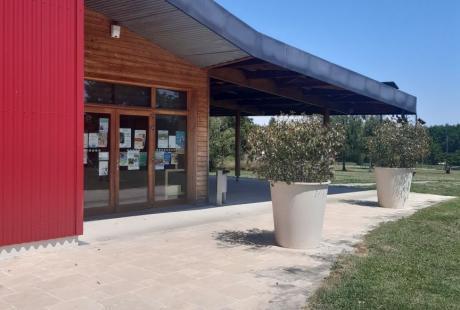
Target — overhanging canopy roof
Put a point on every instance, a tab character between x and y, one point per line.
280	77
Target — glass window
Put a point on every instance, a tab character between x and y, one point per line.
96	160
170	157
98	92
109	93
171	99
132	95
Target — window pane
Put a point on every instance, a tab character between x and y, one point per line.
171	99
133	161
98	92
96	156
109	93
170	157
132	95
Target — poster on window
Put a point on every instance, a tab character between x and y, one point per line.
163	139
85	156
125	138
102	139
104	125
93	140
103	168
85	140
139	139
180	139
103	155
159	161
123	159
133	159
167	158
172	142
143	159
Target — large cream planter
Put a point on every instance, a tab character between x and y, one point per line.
298	213
393	186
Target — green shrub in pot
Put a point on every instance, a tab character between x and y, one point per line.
395	148
295	149
296	154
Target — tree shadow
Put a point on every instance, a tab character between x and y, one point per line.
255	238
362	203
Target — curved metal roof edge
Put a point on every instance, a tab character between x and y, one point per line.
226	25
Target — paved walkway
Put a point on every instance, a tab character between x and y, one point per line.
209	258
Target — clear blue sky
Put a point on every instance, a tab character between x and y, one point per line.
415	43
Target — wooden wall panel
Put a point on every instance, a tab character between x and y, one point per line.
136	60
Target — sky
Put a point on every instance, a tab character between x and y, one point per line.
415	43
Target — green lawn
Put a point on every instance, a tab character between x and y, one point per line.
426	180
413	263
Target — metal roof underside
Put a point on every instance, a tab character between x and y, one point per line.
207	35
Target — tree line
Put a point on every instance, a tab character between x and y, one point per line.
444	145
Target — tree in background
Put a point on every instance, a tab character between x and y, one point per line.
222	139
354	146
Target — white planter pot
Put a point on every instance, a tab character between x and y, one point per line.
298	213
393	186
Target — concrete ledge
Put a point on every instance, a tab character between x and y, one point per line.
19	249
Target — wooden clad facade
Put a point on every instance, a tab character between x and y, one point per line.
133	60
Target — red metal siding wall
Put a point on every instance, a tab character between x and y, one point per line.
41	117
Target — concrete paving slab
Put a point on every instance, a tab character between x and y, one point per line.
206	258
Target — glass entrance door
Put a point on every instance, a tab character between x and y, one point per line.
133	163
170	157
96	161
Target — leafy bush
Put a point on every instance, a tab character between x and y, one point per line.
398	144
295	149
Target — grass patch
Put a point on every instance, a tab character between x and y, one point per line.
412	263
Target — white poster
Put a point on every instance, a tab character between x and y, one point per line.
85	140
159	161
103	168
125	138
102	139
85	156
123	159
163	139
133	159
103	155
104	125
93	139
172	142
139	139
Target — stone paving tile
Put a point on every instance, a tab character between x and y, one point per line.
189	267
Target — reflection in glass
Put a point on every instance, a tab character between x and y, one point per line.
171	99
96	158
109	93
133	159
170	157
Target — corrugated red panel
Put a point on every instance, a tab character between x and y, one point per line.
41	119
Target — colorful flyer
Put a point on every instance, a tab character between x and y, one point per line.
102	139
139	139
133	159
143	159
163	139
180	139
167	158
125	138
174	159
104	125
123	159
159	161
93	140
103	155
85	140
103	168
